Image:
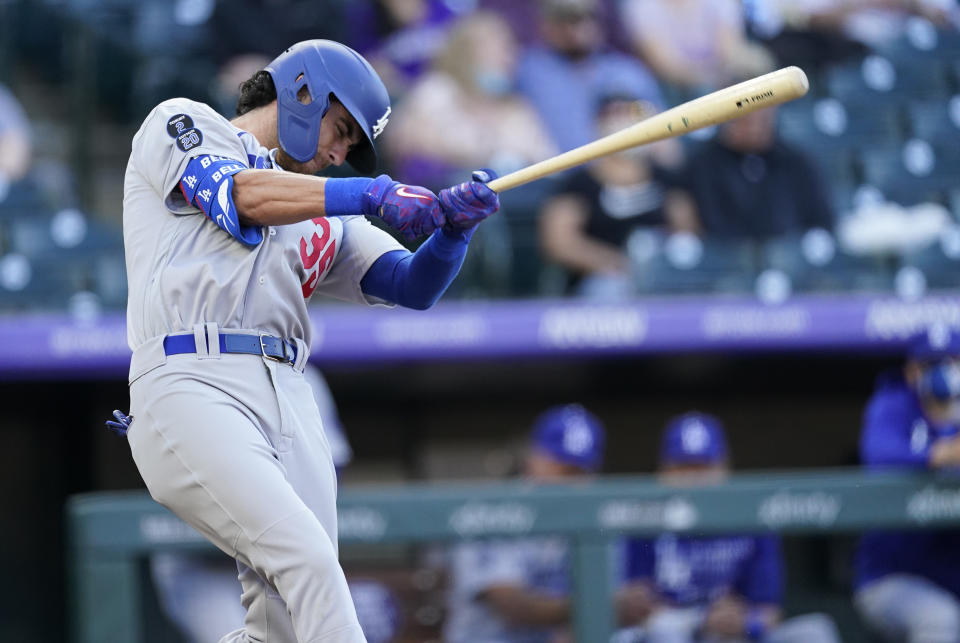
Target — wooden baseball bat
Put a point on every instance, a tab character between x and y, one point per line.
722	105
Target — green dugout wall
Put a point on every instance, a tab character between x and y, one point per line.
109	533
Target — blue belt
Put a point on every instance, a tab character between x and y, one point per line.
275	348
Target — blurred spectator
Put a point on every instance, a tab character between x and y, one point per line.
517	590
524	17
585	225
749	183
871	22
565	76
267	27
244	35
462	114
796	35
687	43
399	37
15	144
709	588
907	583
166	38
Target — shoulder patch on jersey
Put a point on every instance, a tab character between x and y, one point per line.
189	139
179	124
181	128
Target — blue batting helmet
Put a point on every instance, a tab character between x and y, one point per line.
325	67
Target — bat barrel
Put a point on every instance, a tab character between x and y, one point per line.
723	105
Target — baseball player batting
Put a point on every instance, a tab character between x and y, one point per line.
227	235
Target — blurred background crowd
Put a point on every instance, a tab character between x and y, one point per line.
851	189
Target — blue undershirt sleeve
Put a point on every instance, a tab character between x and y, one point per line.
417	280
761	578
886	436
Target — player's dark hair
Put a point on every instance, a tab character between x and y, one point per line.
255	92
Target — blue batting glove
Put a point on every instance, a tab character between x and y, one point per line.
467	204
411	210
122	425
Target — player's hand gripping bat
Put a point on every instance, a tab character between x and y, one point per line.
722	105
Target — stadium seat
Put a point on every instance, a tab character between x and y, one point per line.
953	200
41	282
939	263
826	130
913	172
30	235
20	199
108	277
685	264
877	79
816	263
520	208
66	231
842	196
936	119
832	123
923	41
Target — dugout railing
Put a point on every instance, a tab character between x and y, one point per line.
111	533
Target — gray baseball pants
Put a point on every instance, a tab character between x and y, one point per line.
234	446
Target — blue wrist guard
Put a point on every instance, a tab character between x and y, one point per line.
344	197
756	628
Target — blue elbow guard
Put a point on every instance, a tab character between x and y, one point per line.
207	183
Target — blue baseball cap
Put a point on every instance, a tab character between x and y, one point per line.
936	342
572	435
693	438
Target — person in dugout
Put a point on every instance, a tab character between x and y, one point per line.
517	590
726	588
907	583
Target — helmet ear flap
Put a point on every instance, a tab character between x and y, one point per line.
298	123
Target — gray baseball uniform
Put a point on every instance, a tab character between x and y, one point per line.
539	564
231	443
199	592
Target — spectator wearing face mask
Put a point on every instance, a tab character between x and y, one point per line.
908	582
463	114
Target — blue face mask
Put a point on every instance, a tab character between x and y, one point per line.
940	380
492	83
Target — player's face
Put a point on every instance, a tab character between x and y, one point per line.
339	132
693	475
543	468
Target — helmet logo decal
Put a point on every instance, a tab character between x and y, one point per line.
381	123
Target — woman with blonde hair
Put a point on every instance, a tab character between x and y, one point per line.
463	113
